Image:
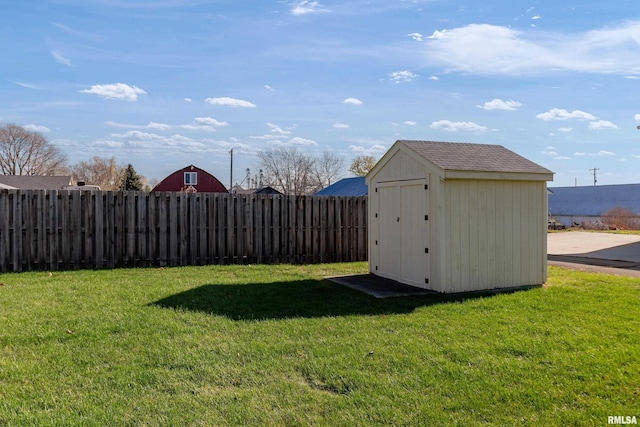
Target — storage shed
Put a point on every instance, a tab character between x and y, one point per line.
458	217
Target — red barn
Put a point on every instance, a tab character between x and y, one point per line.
191	179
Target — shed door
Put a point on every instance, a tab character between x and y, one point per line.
403	235
389	241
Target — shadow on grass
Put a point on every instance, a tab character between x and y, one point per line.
291	299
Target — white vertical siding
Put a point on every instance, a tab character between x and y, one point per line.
389	261
495	232
400	167
414	236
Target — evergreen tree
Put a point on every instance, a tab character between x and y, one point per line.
131	181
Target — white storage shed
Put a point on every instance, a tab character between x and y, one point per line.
458	217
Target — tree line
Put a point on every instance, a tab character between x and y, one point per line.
288	170
25	152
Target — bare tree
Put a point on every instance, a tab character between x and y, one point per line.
362	165
288	170
327	168
24	152
99	171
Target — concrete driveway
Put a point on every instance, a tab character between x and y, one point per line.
618	251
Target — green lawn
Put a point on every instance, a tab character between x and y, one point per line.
277	345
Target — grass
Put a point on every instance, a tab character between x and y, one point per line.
277	345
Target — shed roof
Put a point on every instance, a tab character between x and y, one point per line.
473	157
355	186
33	182
593	200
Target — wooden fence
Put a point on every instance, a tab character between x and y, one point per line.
70	229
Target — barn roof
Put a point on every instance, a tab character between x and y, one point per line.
30	182
355	186
593	200
473	157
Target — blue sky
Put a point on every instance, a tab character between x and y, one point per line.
163	84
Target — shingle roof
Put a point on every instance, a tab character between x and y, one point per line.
28	182
593	200
473	157
355	186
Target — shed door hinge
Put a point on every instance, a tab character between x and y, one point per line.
376	189
426	186
426	250
426	280
376	215
426	217
376	268
376	242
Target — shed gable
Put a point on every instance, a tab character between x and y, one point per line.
400	166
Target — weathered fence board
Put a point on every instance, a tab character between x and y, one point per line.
69	229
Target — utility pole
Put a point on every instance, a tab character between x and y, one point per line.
231	173
595	177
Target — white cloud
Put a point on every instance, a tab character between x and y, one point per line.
210	121
269	88
416	36
402	76
137	135
450	126
536	17
561	114
637	117
60	59
278	130
306	7
230	102
353	101
28	85
562	158
157	126
565	130
109	143
36	128
340	126
602	124
301	141
410	123
601	153
434	78
374	150
550	153
150	125
118	91
188	99
499	104
491	49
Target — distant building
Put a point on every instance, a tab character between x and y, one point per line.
31	182
266	190
355	186
578	205
191	179
238	189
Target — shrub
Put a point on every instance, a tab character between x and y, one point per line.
620	218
